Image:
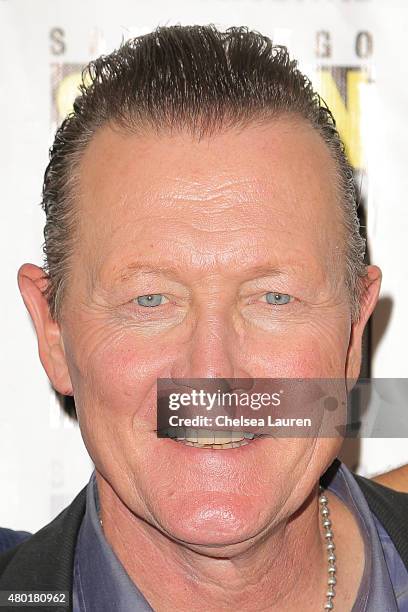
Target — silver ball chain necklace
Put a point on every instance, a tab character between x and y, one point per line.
331	557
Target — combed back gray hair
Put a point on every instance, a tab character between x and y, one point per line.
193	78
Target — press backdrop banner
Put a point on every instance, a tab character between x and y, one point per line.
355	53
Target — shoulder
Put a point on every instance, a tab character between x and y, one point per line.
10	538
383	499
44	561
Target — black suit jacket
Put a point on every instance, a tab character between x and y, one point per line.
9	538
44	562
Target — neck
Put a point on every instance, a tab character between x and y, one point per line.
284	568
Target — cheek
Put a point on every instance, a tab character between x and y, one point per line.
310	352
118	371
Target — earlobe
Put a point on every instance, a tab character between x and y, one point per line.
32	282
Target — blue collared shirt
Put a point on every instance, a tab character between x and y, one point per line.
101	582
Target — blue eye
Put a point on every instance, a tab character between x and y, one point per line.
151	300
277	298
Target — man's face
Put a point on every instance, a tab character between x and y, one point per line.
208	228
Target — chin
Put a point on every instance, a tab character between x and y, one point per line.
211	520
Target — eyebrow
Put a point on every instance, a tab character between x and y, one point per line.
136	268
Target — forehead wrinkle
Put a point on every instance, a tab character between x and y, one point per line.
232	191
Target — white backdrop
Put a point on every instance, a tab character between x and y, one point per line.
355	52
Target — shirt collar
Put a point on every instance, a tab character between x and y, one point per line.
376	590
100	580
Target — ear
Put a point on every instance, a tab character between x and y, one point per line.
369	298
32	282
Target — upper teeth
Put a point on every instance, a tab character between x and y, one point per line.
207	436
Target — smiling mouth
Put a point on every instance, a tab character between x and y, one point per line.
206	438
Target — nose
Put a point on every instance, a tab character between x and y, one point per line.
211	359
212	351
